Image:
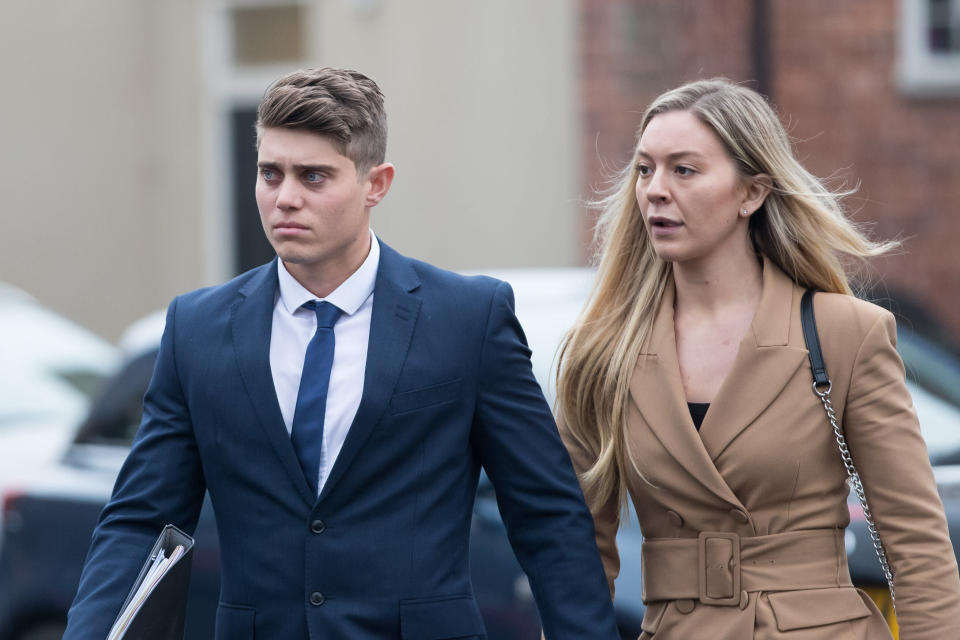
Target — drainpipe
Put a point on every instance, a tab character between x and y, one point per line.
760	49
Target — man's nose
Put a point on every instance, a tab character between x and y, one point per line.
288	195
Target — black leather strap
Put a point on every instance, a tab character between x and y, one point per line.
810	336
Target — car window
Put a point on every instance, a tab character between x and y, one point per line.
939	423
930	365
933	374
49	366
115	415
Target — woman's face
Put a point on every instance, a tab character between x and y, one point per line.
689	190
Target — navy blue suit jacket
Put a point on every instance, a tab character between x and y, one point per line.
448	388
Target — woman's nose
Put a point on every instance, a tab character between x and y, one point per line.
656	187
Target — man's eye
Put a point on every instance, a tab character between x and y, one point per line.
313	176
268	174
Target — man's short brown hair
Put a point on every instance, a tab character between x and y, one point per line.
342	105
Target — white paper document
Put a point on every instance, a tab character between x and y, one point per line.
158	568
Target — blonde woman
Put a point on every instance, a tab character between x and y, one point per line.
685	387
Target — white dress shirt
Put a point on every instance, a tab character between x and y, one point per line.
293	328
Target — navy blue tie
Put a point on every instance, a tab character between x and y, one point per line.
307	431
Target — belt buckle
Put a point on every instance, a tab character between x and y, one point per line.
732	564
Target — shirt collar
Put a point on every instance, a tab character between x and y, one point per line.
348	297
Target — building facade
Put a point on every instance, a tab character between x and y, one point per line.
129	167
869	90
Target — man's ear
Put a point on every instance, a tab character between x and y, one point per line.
380	178
758	188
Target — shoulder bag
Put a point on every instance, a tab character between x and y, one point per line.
822	387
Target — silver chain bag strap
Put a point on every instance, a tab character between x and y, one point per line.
822	387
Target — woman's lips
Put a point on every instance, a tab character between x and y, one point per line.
661	226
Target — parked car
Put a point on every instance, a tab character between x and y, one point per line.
49	370
933	375
49	525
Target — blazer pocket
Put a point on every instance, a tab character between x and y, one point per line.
426	397
816	607
234	622
442	618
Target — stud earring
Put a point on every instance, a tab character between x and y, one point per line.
743	212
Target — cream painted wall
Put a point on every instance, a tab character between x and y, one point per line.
483	124
100	165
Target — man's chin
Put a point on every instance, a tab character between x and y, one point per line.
292	254
295	259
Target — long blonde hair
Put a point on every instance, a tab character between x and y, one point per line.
801	227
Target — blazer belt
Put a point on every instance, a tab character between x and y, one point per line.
720	567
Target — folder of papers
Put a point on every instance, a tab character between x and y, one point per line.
156	606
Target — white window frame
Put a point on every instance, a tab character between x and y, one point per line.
227	87
921	72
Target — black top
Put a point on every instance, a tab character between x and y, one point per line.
698	410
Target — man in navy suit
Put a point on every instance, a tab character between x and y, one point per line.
342	451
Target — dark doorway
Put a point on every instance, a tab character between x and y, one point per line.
251	248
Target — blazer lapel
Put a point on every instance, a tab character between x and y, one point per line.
251	322
394	314
657	391
764	365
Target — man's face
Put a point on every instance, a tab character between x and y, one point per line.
314	207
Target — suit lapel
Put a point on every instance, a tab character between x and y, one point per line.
764	365
657	391
251	319
394	314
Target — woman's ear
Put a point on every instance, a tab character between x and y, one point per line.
758	188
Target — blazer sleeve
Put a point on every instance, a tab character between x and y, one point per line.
161	482
606	519
886	444
547	521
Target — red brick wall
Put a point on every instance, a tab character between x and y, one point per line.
832	79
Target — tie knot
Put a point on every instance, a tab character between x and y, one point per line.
327	314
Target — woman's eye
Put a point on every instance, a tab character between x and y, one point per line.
684	171
643	169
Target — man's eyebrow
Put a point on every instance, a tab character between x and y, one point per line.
320	168
300	168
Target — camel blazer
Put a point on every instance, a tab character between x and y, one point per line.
743	522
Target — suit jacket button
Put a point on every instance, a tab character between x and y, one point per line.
684	606
675	518
317	598
317	526
739	516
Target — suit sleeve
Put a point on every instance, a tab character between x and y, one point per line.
891	457
606	519
548	523
161	482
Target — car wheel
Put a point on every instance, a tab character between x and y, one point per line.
44	631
